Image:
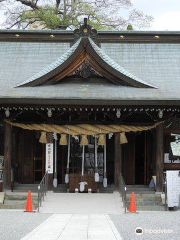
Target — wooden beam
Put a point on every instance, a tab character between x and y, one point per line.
7	155
117	160
159	156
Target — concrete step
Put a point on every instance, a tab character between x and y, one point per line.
106	189
146	201
25	187
137	186
144	195
146	204
141	192
19	196
18	201
138	189
150	208
25	190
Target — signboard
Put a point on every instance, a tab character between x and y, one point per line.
173	188
49	157
175	146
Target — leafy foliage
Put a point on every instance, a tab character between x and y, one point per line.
68	14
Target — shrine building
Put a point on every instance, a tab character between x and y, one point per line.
88	106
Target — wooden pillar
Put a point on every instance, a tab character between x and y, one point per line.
50	175
159	157
117	160
7	156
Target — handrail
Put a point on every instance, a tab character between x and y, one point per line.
122	190
42	189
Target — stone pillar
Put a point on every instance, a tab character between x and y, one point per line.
7	156
117	160
159	156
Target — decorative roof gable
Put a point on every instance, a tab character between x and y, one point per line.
85	52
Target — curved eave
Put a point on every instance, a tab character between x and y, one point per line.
108	67
51	70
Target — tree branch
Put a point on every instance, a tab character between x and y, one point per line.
29	4
58	3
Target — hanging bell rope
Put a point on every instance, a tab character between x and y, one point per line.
123	138
105	173
55	183
102	140
96	176
82	183
43	138
63	140
84	140
68	159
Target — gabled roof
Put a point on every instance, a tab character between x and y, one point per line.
153	60
85	48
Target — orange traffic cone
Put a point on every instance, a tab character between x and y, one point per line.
132	208
29	206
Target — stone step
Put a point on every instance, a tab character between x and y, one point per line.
19	202
16	206
146	204
150	208
19	196
137	186
25	190
150	197
26	185
140	192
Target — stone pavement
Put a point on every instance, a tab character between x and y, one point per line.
80	203
15	224
156	225
75	227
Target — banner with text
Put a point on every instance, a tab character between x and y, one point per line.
49	157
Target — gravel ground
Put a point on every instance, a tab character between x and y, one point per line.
127	223
16	224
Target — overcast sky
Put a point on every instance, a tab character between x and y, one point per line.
166	13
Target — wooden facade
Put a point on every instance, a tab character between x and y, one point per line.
86	86
138	160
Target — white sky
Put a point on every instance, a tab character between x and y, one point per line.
166	13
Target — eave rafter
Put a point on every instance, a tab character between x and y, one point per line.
85	49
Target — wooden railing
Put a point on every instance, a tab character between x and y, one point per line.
122	191
42	189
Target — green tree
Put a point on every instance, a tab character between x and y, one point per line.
68	14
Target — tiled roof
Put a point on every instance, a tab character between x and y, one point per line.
57	64
155	63
115	65
53	65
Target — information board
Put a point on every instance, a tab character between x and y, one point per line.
173	188
49	157
175	146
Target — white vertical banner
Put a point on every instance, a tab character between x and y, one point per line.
173	188
49	157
